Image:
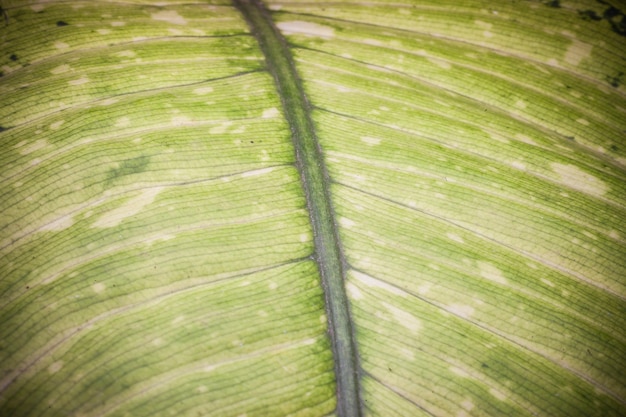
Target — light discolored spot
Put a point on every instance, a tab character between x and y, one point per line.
270	113
490	272
55	367
404	318
574	177
60	69
353	291
61	45
122	122
58	225
35	146
169	16
455	237
460	310
98	287
347	223
577	51
56	125
203	90
128	209
370	140
306	28
374	283
80	81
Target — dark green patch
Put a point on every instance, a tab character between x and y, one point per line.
13	57
554	3
128	167
62	23
613	15
615	81
2	128
614	148
619	25
589	15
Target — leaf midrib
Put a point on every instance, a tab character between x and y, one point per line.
314	178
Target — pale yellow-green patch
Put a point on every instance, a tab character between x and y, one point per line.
574	177
128	209
499	395
180	121
169	16
375	283
103	31
270	113
345	222
35	146
79	81
615	234
353	291
370	140
98	287
491	272
455	237
583	122
60	69
404	318
55	367
306	28
223	127
440	63
60	224
127	53
257	172
118	24
122	122
56	125
61	45
461	310
577	51
203	90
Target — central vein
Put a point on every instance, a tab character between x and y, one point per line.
315	182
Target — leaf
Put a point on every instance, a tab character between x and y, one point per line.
194	193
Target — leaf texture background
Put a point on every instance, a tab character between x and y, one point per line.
157	255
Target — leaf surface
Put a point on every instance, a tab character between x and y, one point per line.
162	254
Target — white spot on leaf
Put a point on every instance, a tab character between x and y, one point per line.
403	317
370	140
460	310
306	28
98	287
577	51
35	146
203	90
128	209
455	237
169	16
353	291
122	122
60	69
270	113
374	283
574	177
80	81
345	222
490	272
55	367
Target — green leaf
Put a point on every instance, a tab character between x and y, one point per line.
309	208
